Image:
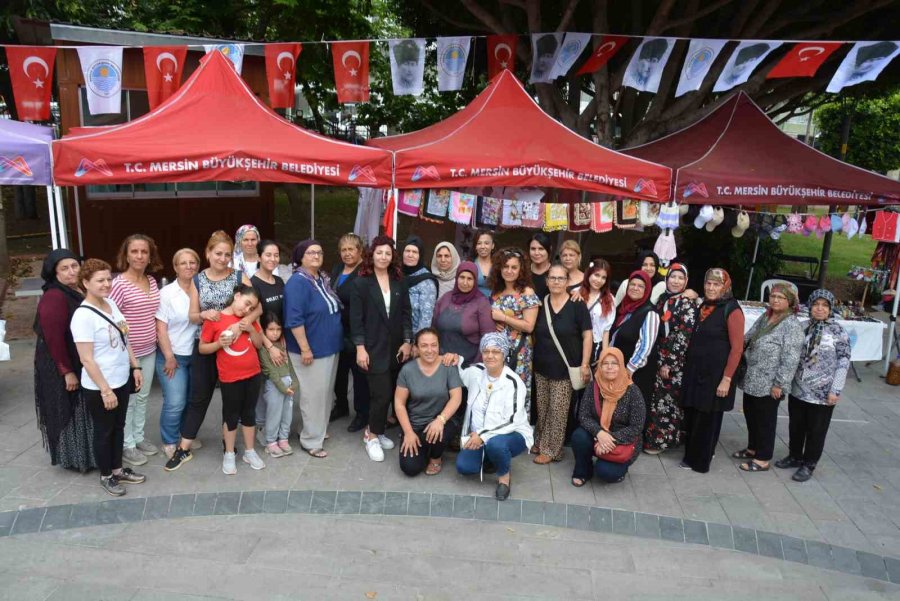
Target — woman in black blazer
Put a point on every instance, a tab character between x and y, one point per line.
342	277
381	329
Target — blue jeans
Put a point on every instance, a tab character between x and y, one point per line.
499	451
176	392
583	448
279	411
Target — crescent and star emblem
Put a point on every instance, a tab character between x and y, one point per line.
164	56
290	57
228	351
604	48
32	60
354	54
503	62
810	51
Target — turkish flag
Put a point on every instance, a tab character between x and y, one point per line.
281	71
163	68
803	60
607	48
351	70
388	220
501	53
31	73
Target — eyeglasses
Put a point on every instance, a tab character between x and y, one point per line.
609	364
512	253
491	351
556	278
314	253
777	297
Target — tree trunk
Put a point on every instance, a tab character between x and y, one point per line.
295	201
26	203
4	250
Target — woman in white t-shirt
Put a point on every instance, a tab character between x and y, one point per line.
175	334
100	333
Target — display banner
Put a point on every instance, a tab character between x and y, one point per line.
407	66
700	56
501	53
102	70
31	74
607	48
544	50
803	60
742	62
163	68
351	71
864	62
233	52
281	72
647	64
452	55
572	47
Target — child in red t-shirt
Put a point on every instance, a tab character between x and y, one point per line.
235	342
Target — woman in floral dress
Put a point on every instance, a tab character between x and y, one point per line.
515	309
678	316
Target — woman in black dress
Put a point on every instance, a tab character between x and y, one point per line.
712	358
634	332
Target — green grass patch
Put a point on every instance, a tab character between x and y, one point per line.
844	253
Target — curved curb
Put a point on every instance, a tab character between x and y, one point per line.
561	515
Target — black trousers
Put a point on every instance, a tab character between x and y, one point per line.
239	402
808	427
381	395
761	413
346	367
703	434
109	428
415	465
204	375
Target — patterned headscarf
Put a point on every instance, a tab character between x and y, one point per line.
789	291
628	304
667	302
816	327
716	274
607	393
495	340
237	259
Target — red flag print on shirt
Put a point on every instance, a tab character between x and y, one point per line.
803	60
31	73
501	51
351	70
281	72
163	68
607	48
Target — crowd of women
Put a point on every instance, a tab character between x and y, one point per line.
510	352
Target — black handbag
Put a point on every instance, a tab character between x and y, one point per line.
130	385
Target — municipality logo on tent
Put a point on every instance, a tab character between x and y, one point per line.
104	78
362	175
87	165
695	188
18	163
429	172
645	185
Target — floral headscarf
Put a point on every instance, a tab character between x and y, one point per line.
237	259
716	274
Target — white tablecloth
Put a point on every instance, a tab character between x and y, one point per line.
866	337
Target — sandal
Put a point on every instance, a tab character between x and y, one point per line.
752	466
317	453
434	468
533	450
542	459
578	482
743	454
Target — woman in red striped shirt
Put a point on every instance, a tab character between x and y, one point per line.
137	296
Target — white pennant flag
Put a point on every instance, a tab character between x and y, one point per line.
544	50
233	52
647	63
742	62
407	66
572	47
864	62
102	70
700	56
452	55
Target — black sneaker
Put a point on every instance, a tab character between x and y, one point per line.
111	486
803	474
129	476
179	457
788	462
358	423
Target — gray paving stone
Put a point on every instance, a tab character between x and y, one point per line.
486	508
252	501
441	505
578	517
622	522
794	549
125	511
464	506
510	510
419	504
845	560
299	501
769	544
56	518
720	536
275	501
181	506
323	501
348	502
6	521
893	569
372	503
695	532
671	529
819	554
227	503
396	503
157	508
205	503
28	520
745	540
646	525
532	512
601	519
870	565
83	515
555	514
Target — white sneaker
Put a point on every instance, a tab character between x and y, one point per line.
228	466
196	445
386	443
253	459
373	448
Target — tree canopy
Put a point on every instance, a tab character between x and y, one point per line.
874	131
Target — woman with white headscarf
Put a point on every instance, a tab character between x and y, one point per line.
246	256
443	265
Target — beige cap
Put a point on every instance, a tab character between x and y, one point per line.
717	218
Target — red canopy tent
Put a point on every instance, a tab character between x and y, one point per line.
737	155
503	138
214	129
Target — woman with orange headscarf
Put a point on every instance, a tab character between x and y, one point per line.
610	422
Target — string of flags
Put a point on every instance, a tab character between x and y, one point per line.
555	54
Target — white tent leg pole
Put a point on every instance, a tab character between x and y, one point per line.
61	217
888	355
312	211
752	268
51	210
78	222
395	193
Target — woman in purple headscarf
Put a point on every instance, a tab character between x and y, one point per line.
463	316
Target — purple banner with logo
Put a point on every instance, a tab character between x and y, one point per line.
24	154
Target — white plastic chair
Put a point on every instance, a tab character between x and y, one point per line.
769	283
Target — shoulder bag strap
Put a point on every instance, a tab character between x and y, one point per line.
107	320
552	333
